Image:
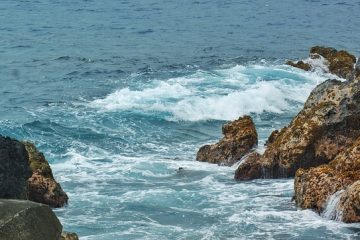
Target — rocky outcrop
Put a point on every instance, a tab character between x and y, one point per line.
14	169
42	186
240	137
25	174
340	63
314	187
21	220
69	236
328	124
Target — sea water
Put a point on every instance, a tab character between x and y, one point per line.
121	94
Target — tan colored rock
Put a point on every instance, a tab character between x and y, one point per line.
240	137
315	186
340	63
250	168
349	204
69	236
328	124
42	187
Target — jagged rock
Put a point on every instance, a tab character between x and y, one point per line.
349	204
42	186
250	168
272	137
328	124
25	174
314	187
340	63
21	220
300	64
240	137
69	236
14	169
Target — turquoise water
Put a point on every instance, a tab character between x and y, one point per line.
120	94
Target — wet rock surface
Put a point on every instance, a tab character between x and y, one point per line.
327	125
314	187
340	63
240	137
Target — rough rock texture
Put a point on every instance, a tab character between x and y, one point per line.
14	169
240	137
249	168
69	236
349	204
328	124
314	187
300	64
42	186
21	220
340	63
25	174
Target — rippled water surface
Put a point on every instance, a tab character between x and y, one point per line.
120	94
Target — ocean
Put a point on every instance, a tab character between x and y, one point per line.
120	94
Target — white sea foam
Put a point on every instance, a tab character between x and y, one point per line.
222	95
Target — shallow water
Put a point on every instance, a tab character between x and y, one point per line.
120	94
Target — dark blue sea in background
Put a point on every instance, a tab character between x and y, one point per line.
119	94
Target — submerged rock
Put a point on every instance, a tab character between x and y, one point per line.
340	63
42	187
240	137
25	174
21	220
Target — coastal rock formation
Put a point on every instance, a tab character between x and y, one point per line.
21	220
25	174
314	187
328	124
42	186
14	169
240	137
340	63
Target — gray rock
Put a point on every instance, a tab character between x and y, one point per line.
14	169
25	220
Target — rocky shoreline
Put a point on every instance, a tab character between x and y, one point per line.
28	190
320	147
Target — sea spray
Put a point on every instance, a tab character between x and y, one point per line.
331	207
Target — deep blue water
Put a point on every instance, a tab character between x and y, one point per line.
120	94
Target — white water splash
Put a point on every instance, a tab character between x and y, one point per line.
331	208
221	94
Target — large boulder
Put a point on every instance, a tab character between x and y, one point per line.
240	137
14	169
21	220
328	124
340	63
42	187
25	174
